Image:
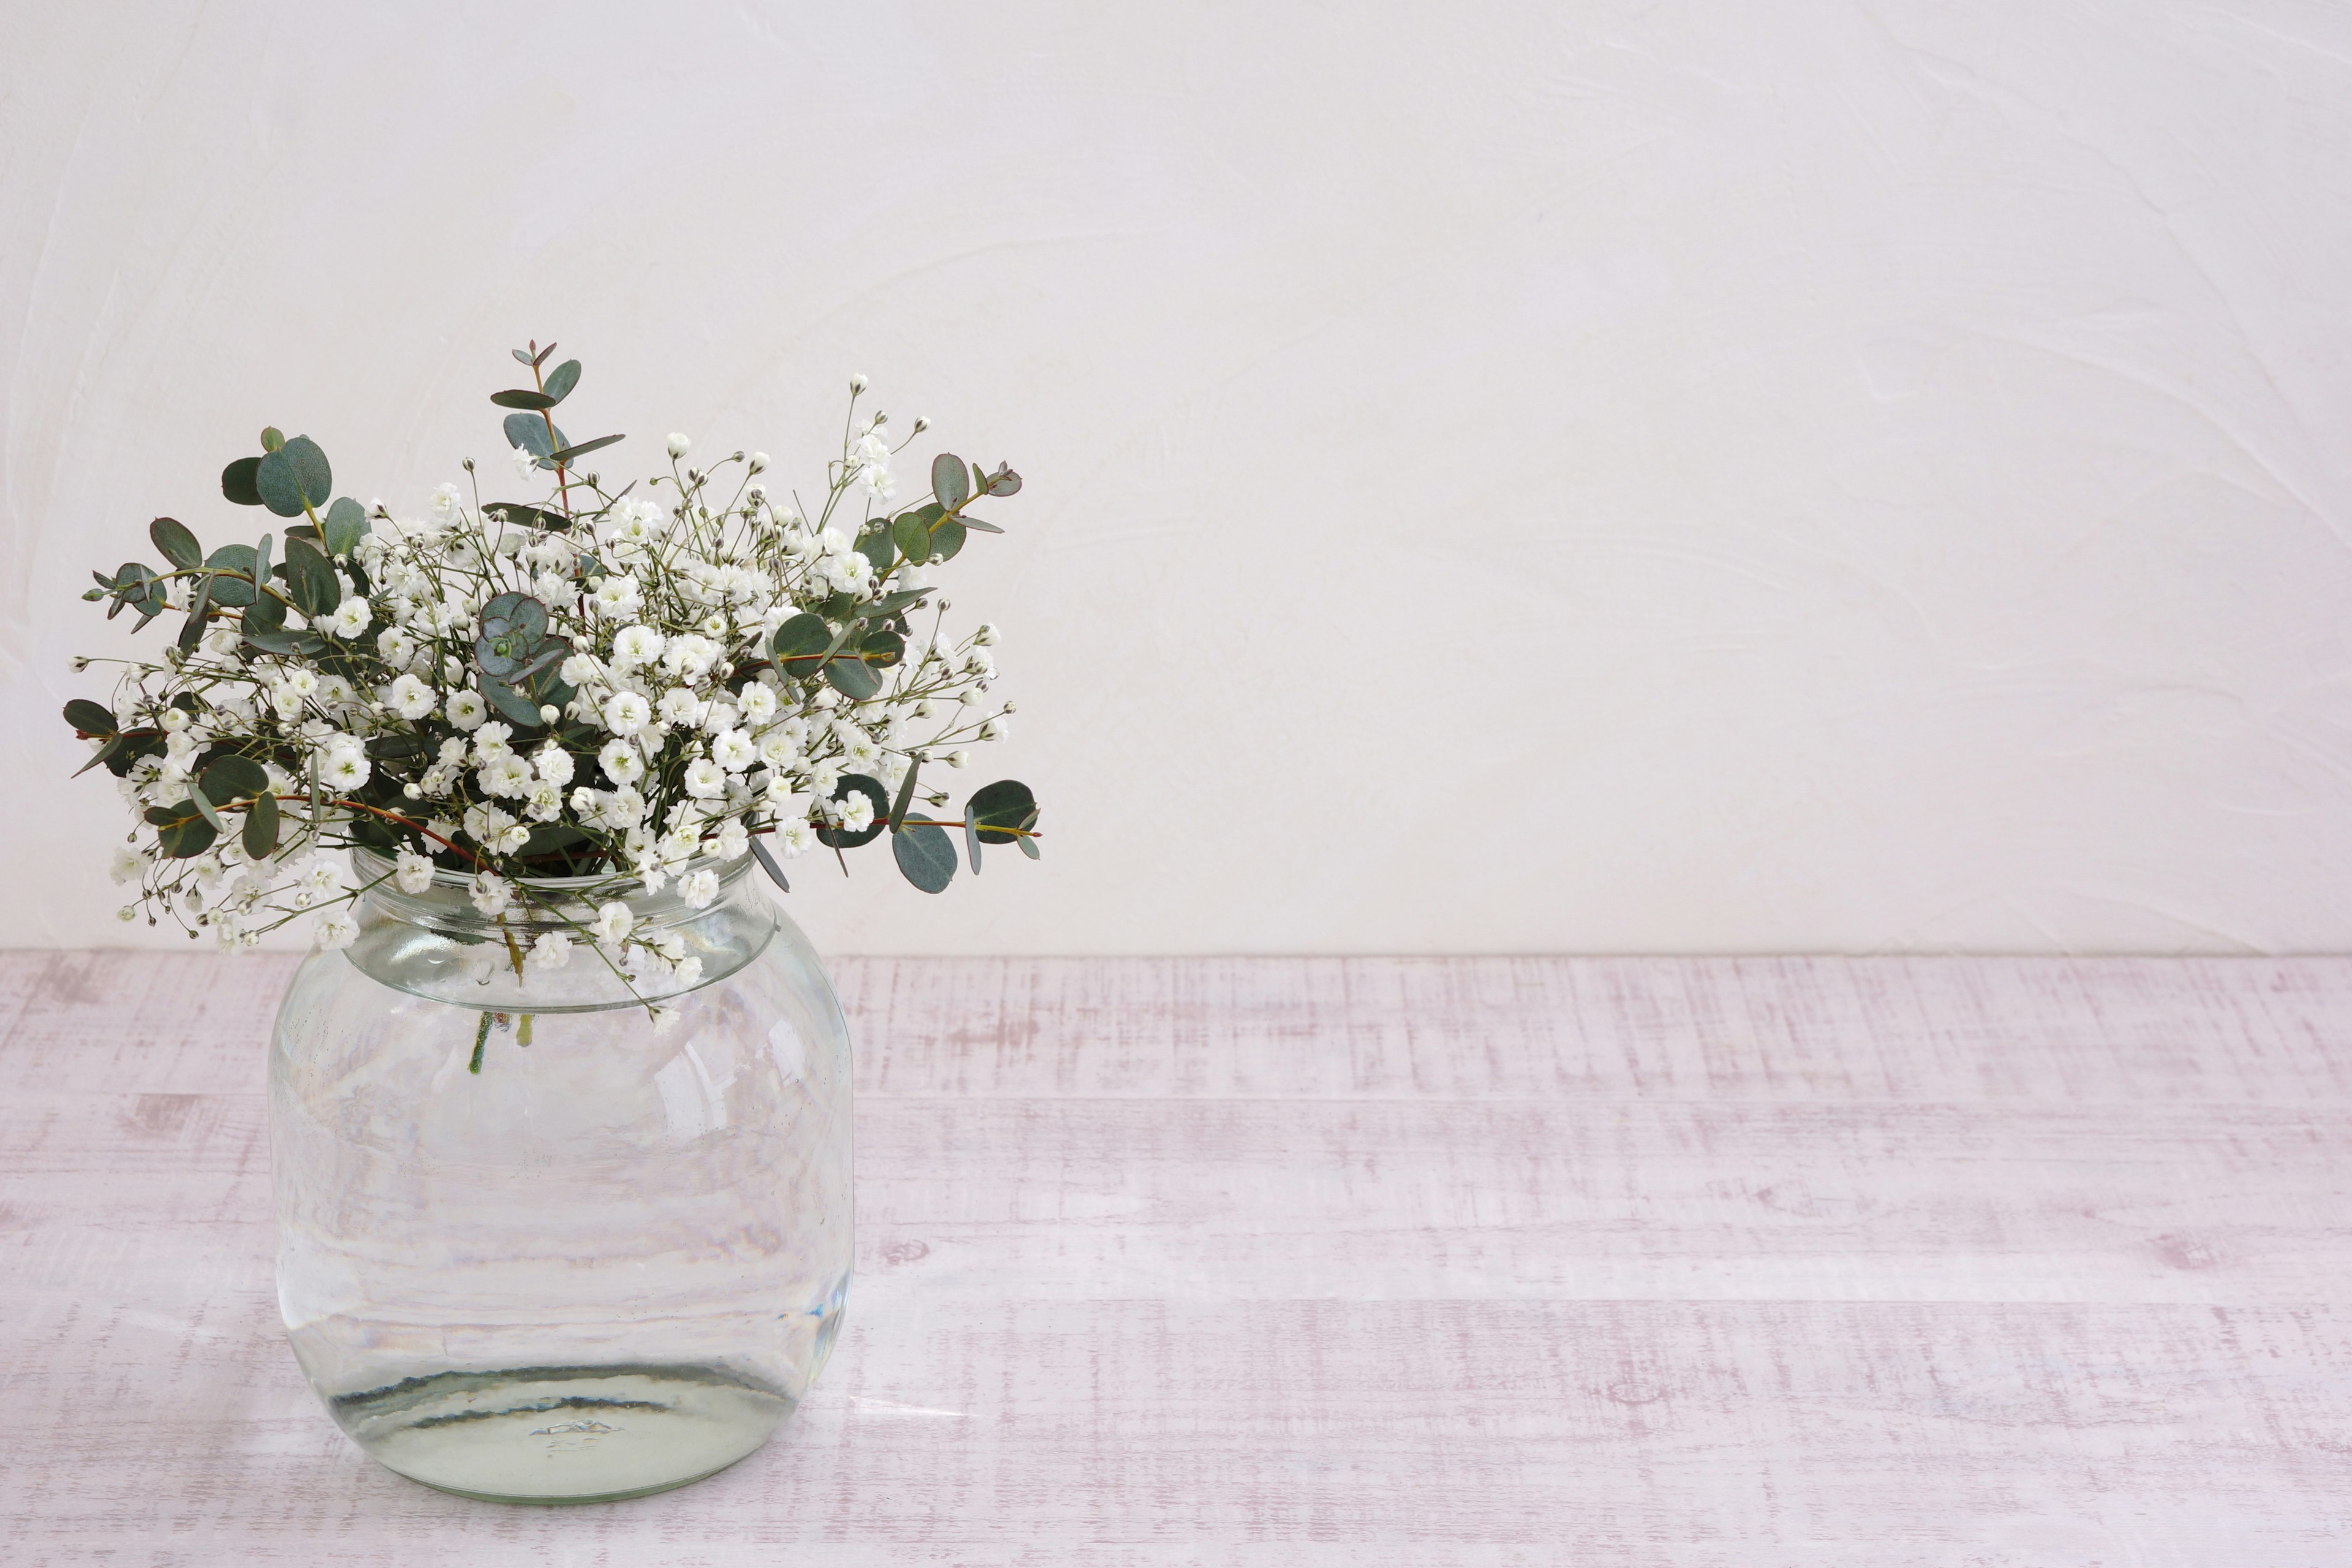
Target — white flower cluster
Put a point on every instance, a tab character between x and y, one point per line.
592	685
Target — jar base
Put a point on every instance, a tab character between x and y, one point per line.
550	1435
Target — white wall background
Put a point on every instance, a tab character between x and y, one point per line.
1521	475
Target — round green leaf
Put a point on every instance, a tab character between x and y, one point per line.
800	643
947	539
925	853
234	592
236	481
853	678
88	718
913	540
314	588
277	485
529	431
234	778
877	545
178	545
344	525
561	380
311	467
186	837
261	826
950	480
998	808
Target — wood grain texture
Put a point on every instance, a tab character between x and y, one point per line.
1329	1261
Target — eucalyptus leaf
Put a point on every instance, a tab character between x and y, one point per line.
105	754
234	592
200	608
311	467
261	828
512	625
879	548
947	539
266	613
523	397
277	485
528	432
522	356
913	540
272	437
562	379
209	812
184	838
569	455
1003	482
971	842
799	645
1000	808
178	545
345	524
893	603
906	794
950	482
970	521
522	516
768	864
234	778
926	855
852	679
881	648
1029	848
311	581
236	481
90	718
522	710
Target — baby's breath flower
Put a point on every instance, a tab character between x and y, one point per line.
412	872
490	894
698	889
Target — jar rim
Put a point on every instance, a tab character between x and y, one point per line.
729	871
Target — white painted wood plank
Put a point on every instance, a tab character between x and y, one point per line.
1844	1262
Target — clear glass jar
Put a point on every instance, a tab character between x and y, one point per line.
611	1261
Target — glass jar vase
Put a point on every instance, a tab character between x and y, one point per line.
531	1248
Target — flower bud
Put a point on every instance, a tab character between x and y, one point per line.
856	384
921	423
548	712
411	790
986	634
759	462
678	444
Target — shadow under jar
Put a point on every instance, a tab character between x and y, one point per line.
612	1260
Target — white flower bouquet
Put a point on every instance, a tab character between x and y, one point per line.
633	684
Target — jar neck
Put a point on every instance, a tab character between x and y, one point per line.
554	903
438	944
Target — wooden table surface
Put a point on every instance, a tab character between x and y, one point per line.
1335	1262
